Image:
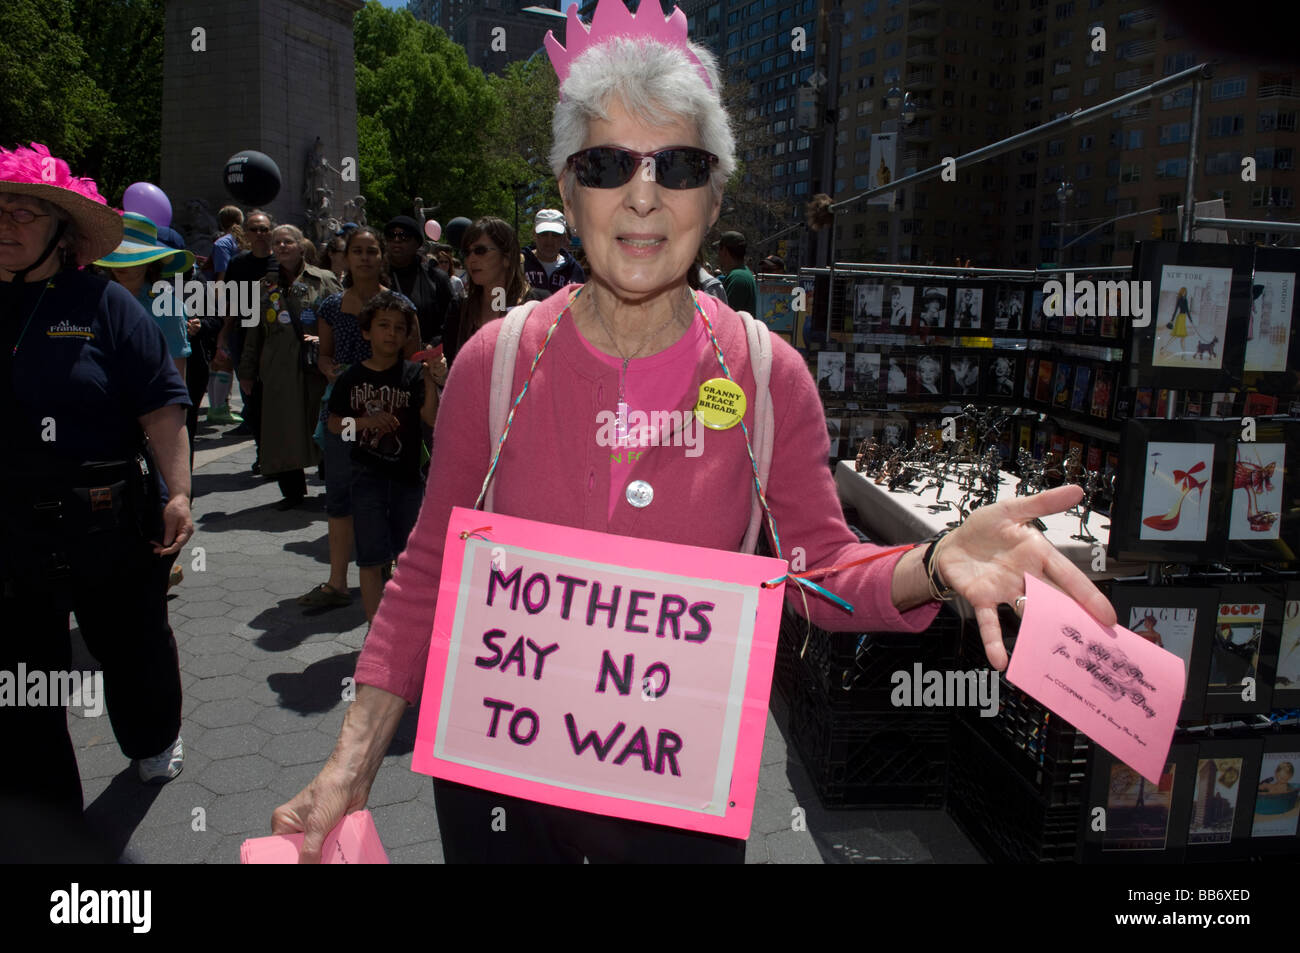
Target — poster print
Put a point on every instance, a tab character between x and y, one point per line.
1031	378
1288	656
1008	311
1172	628
1214	801
1137	811
1257	491
1101	393
1079	397
1174	502
901	299
867	304
964	375
1277	796
968	309
1235	650
866	373
1191	316
898	376
1002	382
929	375
830	371
934	308
833	429
1043	389
1268	335
1061	385
1036	315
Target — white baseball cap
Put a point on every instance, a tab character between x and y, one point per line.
549	220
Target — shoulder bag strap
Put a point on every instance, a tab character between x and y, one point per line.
503	376
760	359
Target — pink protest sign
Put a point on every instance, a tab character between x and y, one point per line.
354	841
1120	690
620	676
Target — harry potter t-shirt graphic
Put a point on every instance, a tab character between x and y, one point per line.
399	391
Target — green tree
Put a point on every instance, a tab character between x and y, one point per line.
425	114
46	93
123	40
520	144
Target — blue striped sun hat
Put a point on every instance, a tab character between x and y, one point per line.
140	247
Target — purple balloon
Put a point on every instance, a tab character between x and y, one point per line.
145	198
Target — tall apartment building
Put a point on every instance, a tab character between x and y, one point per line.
494	33
983	69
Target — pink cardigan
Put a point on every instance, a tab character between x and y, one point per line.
552	469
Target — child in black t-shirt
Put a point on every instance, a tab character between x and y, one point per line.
378	406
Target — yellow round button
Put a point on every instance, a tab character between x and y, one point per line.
721	404
270	315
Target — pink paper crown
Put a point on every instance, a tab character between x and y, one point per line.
35	166
613	19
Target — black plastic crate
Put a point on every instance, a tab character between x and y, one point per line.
1049	753
854	671
891	759
1001	812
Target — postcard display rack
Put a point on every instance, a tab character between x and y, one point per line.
1209	496
895	355
1196	410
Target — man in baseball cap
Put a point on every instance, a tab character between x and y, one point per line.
545	264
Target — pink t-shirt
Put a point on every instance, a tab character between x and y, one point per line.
652	385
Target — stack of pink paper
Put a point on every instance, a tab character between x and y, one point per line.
354	841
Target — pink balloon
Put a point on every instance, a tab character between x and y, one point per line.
433	230
145	198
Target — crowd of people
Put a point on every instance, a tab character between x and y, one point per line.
341	370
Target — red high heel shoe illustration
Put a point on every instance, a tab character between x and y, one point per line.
1255	478
1169	522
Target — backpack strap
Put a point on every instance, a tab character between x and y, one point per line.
503	376
760	360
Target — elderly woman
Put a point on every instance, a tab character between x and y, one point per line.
635	334
281	353
84	377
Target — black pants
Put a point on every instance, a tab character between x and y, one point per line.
293	484
122	615
196	381
470	822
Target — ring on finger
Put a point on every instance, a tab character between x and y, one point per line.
1020	603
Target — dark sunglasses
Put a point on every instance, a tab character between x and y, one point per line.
605	167
400	237
258	228
479	250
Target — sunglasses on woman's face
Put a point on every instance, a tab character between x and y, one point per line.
479	250
605	167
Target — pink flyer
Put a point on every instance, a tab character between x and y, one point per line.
1120	690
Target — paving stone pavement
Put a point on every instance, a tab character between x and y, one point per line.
263	704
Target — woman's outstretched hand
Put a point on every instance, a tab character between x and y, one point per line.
986	558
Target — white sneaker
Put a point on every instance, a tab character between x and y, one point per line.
162	767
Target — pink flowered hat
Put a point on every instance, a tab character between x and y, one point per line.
36	173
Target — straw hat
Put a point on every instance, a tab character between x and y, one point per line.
36	173
140	247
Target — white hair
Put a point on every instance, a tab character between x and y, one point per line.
654	82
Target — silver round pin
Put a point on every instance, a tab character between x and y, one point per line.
640	493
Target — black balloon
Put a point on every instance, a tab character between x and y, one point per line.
252	177
453	233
